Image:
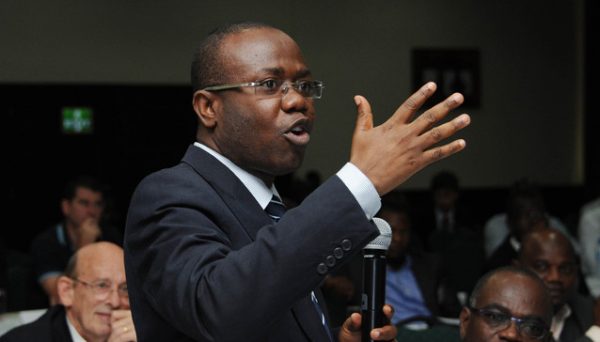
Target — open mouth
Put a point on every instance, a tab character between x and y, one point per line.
299	134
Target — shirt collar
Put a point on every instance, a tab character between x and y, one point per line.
74	334
516	245
559	319
255	185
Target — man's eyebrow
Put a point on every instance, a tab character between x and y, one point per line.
497	307
279	72
508	312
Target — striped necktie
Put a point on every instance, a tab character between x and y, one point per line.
275	209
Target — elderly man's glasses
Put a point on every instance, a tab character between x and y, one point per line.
102	288
276	87
529	327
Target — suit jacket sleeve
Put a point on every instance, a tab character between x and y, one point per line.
211	263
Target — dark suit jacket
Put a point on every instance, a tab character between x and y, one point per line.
581	319
204	262
428	273
50	327
502	256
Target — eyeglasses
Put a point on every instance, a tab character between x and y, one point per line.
102	288
275	87
530	327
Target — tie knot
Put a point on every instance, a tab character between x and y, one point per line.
275	209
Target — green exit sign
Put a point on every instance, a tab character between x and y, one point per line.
77	120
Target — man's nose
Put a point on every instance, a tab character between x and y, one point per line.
553	274
293	101
114	299
510	333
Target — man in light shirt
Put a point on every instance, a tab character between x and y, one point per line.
95	302
549	253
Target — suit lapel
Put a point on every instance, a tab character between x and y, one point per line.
233	192
251	217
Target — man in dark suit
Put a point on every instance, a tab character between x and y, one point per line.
414	279
208	255
95	302
549	253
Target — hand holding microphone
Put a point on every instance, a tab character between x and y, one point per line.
374	269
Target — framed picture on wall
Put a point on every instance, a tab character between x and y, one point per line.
453	70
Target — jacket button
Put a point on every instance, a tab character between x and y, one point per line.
330	260
338	253
322	269
346	245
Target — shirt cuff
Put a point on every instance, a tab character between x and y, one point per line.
361	188
593	333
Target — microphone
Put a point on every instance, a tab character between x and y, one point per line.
374	267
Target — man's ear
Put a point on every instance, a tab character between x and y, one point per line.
64	206
65	290
206	105
464	317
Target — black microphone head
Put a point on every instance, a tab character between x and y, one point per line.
383	241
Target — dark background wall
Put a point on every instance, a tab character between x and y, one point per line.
145	125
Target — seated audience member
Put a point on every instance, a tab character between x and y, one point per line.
498	227
82	206
413	278
589	239
507	304
95	303
525	212
445	214
454	235
549	253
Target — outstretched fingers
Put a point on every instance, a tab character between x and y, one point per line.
408	108
438	112
441	152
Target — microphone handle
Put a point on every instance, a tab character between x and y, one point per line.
373	295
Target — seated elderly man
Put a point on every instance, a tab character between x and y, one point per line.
550	254
507	304
95	303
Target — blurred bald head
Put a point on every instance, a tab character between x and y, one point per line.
92	287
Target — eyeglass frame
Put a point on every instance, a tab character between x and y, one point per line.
282	88
518	321
95	288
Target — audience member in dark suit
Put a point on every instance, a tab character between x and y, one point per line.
414	279
204	260
95	302
445	213
82	206
507	304
452	233
525	212
550	254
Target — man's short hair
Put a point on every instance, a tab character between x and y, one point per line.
482	282
444	180
87	182
524	195
207	63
